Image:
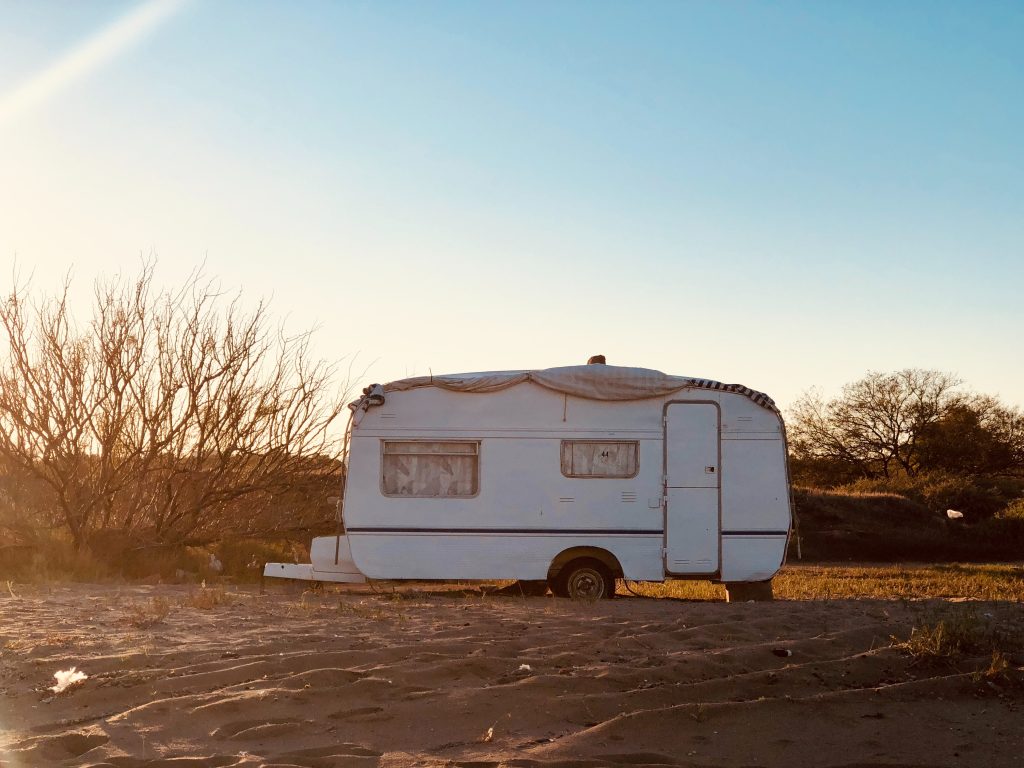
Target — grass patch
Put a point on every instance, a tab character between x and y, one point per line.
963	633
868	525
968	581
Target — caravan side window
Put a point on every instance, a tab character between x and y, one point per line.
600	458
428	469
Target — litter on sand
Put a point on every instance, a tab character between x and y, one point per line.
66	678
525	668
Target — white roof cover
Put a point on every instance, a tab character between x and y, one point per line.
593	382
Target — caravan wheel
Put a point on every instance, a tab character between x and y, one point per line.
584	580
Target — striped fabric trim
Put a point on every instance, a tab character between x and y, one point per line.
758	397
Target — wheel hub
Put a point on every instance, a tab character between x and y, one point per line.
586	584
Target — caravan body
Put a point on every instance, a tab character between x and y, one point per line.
515	475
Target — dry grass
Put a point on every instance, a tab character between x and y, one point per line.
52	557
372	611
148	614
967	581
875	582
958	632
680	590
207	598
999	667
846	493
48	560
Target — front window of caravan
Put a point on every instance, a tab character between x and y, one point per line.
428	469
600	458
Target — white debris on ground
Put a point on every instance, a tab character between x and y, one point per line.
66	678
525	668
215	565
952	514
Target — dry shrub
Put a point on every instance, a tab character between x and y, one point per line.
207	598
978	497
243	559
51	556
1013	511
148	614
115	555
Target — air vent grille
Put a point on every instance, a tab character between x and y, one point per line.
629	497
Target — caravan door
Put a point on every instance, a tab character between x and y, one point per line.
693	488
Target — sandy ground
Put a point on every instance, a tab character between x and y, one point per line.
433	677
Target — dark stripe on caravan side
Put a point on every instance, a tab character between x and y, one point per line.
529	531
755	533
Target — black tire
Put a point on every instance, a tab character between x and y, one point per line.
584	579
747	591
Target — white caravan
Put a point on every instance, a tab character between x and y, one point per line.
571	476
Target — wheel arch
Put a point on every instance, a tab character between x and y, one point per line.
600	554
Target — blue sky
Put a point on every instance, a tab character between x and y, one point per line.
785	195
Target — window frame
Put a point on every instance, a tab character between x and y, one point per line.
570	442
476	454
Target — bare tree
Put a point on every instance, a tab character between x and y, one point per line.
876	424
166	412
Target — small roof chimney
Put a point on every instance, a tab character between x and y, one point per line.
596	360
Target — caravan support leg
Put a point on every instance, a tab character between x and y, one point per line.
748	591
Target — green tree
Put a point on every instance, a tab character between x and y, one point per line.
981	436
874	427
902	424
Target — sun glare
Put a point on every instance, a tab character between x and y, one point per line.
86	57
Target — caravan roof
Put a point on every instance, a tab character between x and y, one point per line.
592	382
